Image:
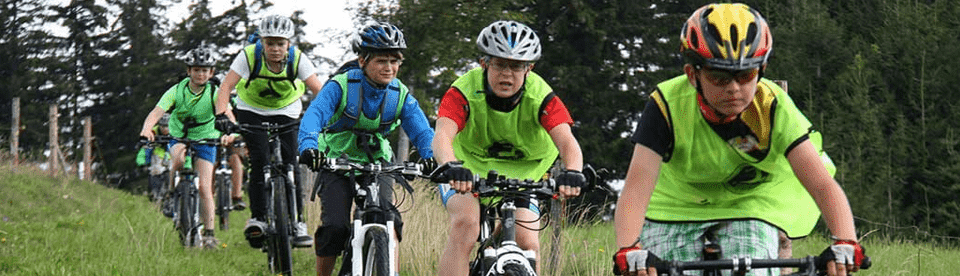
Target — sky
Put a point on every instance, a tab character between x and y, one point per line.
320	15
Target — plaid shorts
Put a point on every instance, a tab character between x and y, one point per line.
737	239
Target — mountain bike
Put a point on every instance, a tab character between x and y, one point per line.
223	185
186	193
373	241
498	253
281	199
157	183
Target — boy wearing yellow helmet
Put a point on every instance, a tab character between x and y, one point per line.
723	156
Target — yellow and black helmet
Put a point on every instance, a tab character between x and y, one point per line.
726	36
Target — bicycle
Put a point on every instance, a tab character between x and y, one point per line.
373	241
186	193
498	253
157	183
223	186
281	199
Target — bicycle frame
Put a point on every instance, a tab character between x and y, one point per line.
223	185
187	216
282	202
498	252
370	215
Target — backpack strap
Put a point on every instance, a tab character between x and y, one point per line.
352	100
351	109
258	64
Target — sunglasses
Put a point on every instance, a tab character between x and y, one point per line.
515	67
724	77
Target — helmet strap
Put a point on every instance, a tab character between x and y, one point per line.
708	111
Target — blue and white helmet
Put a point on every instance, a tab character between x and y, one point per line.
379	36
510	40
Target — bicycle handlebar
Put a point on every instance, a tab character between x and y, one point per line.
495	184
810	265
272	128
408	168
164	139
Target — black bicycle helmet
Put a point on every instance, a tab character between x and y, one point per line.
200	57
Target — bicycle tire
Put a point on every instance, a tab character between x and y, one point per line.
279	254
187	212
224	204
514	269
376	254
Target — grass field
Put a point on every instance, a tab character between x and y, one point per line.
62	226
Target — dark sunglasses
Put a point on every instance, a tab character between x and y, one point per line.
723	77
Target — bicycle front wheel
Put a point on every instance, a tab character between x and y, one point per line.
224	204
280	255
185	212
376	254
514	269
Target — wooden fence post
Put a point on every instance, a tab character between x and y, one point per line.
87	164
15	132
53	161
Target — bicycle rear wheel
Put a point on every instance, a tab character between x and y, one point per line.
224	203
279	253
376	254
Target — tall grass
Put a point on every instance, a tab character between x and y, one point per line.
62	226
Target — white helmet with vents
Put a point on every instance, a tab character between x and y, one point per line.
276	26
510	40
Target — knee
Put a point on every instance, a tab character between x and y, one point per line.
528	240
466	227
331	240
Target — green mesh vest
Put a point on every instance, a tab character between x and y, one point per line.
513	143
708	179
343	133
268	90
193	111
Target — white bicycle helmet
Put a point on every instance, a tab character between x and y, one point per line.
510	40
276	26
200	57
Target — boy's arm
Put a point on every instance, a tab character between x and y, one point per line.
568	146
443	136
150	121
830	198
223	93
417	127
635	197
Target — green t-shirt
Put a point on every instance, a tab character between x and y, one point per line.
192	113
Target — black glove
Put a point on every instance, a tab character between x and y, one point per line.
427	165
571	178
313	158
223	124
452	171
